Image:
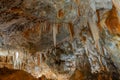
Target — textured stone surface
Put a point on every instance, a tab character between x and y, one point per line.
61	38
11	74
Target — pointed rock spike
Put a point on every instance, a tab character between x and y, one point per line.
71	29
54	34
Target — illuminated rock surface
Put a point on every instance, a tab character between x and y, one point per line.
61	39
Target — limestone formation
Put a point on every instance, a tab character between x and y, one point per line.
61	39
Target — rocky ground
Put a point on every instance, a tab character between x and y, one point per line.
11	74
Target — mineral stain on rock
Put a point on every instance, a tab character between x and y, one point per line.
60	39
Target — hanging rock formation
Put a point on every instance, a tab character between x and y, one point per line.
61	39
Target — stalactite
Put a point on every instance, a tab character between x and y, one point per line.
95	32
48	28
71	29
54	34
98	22
40	29
44	26
78	11
58	27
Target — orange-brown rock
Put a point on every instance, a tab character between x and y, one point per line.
104	77
78	75
9	74
42	78
61	13
34	30
113	22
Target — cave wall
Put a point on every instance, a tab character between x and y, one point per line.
61	38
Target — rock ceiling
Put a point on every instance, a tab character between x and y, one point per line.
63	32
33	23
